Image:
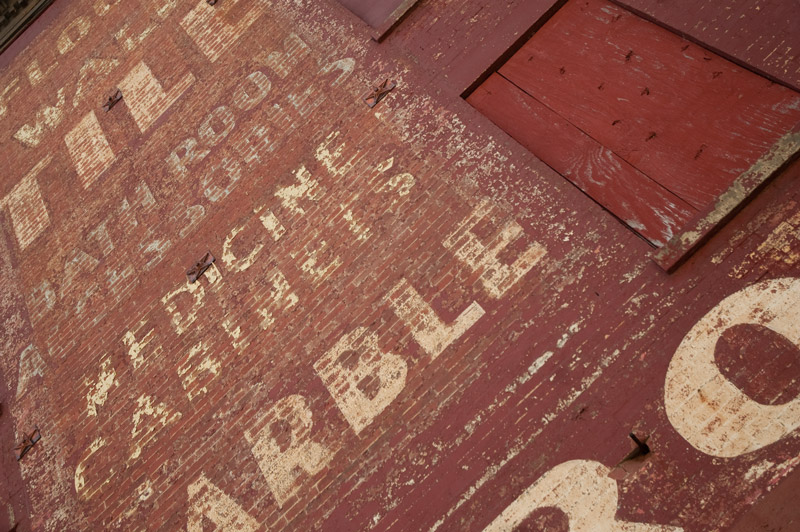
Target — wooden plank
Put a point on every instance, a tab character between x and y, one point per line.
641	203
684	116
707	222
763	34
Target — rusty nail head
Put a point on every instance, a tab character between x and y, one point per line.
379	92
112	100
200	267
28	441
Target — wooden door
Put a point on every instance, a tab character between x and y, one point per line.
651	126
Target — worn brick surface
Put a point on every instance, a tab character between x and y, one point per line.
412	323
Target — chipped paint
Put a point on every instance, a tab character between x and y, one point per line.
583	491
740	191
143	434
707	409
98	392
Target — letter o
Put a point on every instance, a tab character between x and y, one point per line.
712	414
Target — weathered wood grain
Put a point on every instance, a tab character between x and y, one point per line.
643	204
684	116
763	34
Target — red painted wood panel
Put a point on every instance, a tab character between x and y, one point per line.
595	169
764	34
687	118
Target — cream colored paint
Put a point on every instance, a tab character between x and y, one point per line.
47	117
401	183
8	92
209	130
207	500
91	72
143	492
89	149
214	276
306	188
318	263
181	322
198	363
9	511
282	297
359	230
524	441
35	73
582	490
482	257
210	30
331	158
102	7
128	40
248	95
31	364
146	98
142	432
228	169
430	332
83	490
136	347
186	155
343	384
26	206
239	264
782	245
269	222
712	414
302	457
98	390
272	224
345	67
294	50
76	30
235	332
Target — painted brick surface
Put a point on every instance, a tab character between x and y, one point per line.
412	323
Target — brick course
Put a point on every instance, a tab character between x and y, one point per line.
164	405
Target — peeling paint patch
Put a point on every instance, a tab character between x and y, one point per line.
98	393
142	434
686	242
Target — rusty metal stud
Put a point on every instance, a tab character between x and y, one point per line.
211	2
112	100
28	441
379	92
641	449
200	267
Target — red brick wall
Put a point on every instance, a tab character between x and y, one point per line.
411	320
